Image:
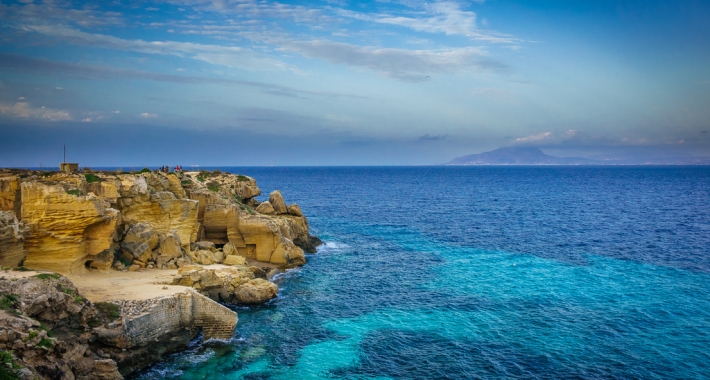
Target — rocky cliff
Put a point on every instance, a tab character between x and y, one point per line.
77	222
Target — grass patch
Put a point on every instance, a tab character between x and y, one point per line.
108	310
78	299
186	182
44	328
5	359
47	276
216	172
21	269
45	342
144	170
201	178
31	335
9	301
91	178
214	186
75	192
242	178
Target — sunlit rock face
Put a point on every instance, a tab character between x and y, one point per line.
66	228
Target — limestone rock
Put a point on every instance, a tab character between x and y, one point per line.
229	249
162	210
205	257
256	291
12	240
277	201
140	241
265	207
218	220
10	193
203	245
295	210
234	260
65	229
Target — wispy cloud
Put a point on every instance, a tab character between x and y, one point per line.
231	56
147	115
23	110
47	67
439	17
403	64
428	137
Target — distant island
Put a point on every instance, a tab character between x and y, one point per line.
535	156
519	156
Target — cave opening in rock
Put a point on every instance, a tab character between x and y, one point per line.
219	246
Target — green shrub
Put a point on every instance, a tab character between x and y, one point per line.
31	335
201	178
75	192
91	178
108	310
144	170
22	269
214	186
9	301
78	299
44	328
47	174
6	357
45	342
47	276
216	172
186	182
242	178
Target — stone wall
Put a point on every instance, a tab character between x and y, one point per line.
189	310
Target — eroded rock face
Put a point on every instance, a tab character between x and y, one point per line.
12	240
66	230
10	193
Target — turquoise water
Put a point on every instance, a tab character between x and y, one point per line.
481	273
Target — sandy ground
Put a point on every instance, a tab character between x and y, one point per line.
108	285
113	285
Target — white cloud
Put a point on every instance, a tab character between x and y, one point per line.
547	137
23	110
147	115
441	17
21	98
116	112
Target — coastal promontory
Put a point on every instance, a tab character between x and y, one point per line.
99	266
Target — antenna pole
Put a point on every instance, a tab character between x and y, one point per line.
65	153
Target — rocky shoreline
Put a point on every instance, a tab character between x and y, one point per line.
106	272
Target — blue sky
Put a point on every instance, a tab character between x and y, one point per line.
223	82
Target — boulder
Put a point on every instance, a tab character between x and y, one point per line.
277	201
203	246
265	207
229	249
256	291
295	210
234	260
140	241
205	257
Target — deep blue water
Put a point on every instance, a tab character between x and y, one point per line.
481	272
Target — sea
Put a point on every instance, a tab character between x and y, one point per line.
480	273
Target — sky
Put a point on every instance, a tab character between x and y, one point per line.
336	82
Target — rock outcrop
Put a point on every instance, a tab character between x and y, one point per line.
45	324
57	334
10	192
238	284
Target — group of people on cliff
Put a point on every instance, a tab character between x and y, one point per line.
166	168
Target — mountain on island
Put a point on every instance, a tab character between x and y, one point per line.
518	156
